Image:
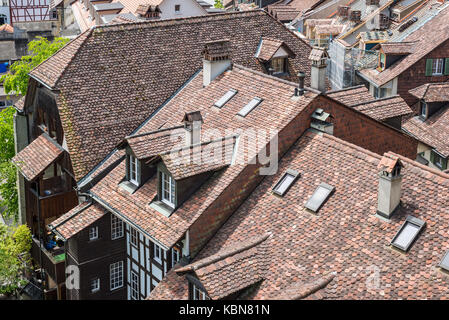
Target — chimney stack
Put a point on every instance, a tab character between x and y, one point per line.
389	191
300	90
216	59
319	57
192	125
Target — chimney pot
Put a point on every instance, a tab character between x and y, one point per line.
192	125
216	59
300	90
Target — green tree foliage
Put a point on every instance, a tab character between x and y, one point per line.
16	81
218	4
15	246
8	189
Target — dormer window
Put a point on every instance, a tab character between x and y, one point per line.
167	189
198	294
279	65
423	112
133	168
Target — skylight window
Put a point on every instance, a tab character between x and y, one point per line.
227	96
444	264
407	233
285	182
249	107
320	196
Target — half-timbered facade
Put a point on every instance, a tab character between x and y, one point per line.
31	10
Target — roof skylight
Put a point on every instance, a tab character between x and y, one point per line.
285	182
320	196
249	107
227	96
445	262
407	233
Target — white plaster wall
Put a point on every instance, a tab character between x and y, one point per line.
189	8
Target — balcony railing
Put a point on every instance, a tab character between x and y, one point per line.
53	261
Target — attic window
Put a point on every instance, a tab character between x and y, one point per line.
249	107
320	196
285	182
198	294
278	65
167	189
133	168
227	96
444	264
407	233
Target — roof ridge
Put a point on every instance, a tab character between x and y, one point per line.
376	100
151	132
181	20
217	256
345	89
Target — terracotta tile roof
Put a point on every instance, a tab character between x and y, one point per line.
19	104
434	131
300	290
346	236
382	109
201	158
268	47
80	217
287	11
432	92
388	162
194	97
105	98
37	156
437	27
379	109
6	28
399	48
231	269
329	29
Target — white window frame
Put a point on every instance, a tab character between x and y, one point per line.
423	108
93	233
134	286
134	237
437	67
199	294
116	275
95	285
157	249
170	200
175	253
117	227
133	169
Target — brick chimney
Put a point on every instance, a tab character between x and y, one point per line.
389	191
216	59
192	125
319	57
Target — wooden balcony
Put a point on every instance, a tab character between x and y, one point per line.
53	261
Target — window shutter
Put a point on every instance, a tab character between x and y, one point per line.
446	67
429	64
444	167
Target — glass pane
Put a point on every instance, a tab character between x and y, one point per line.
445	262
228	95
406	236
319	196
250	106
284	183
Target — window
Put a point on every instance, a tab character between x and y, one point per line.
175	256
3	19
423	109
285	182
380	92
167	189
116	275
133	163
134	239
437	67
249	107
319	197
407	233
438	160
116	227
93	233
134	286
199	294
227	96
177	8
278	65
95	285
157	253
444	264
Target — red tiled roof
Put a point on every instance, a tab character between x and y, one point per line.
434	131
432	92
112	77
37	156
399	48
231	269
290	10
194	97
424	44
351	96
80	217
346	236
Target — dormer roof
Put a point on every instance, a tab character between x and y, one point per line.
432	92
269	48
